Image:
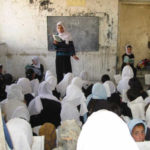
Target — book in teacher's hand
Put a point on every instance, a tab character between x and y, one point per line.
57	38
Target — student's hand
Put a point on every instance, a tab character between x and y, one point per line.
75	57
55	42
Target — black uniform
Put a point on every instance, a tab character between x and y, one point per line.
63	63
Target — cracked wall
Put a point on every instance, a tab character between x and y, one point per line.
23	29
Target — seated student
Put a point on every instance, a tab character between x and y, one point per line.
98	93
51	107
34	82
48	130
98	97
26	88
134	83
74	103
128	58
116	99
110	88
138	129
127	74
105	78
87	85
62	86
37	67
21	134
104	130
67	135
136	104
53	82
14	105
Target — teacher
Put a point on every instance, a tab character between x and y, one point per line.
64	49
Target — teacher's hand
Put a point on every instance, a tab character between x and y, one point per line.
75	57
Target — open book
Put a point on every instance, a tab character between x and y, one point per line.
57	38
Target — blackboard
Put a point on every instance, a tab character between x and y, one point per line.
84	31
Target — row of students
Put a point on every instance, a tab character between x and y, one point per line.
73	103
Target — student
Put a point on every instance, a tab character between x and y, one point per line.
123	86
53	82
104	130
74	103
105	78
87	85
137	129
128	58
14	105
134	83
64	50
62	86
98	97
21	134
67	135
116	99
51	106
110	88
48	130
30	74
37	67
136	104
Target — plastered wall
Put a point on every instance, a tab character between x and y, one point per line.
23	32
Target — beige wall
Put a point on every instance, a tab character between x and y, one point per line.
23	29
134	29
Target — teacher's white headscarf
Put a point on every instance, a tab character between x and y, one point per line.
104	130
66	36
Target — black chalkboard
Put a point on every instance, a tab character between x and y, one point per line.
84	31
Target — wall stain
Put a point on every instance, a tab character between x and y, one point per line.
44	4
31	1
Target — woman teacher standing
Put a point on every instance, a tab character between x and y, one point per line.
64	49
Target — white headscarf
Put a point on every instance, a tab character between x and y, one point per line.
25	84
15	108
137	107
37	60
47	74
74	97
46	92
35	106
127	74
52	81
66	36
110	88
105	130
21	134
35	86
84	76
14	92
126	48
62	86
